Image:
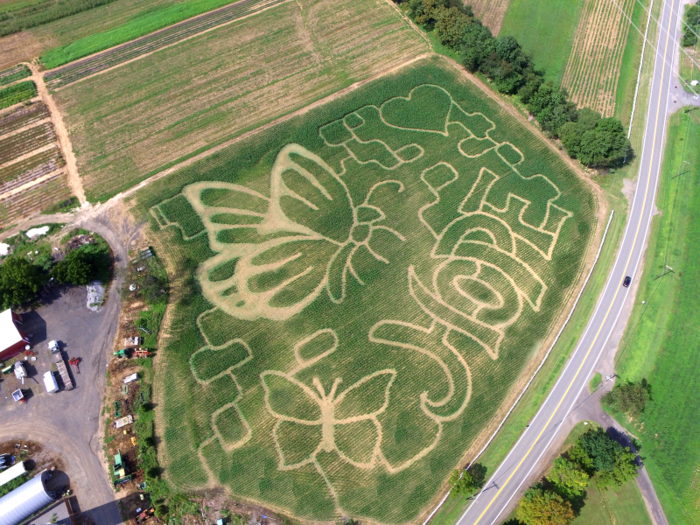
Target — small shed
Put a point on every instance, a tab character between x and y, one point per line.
12	339
26	500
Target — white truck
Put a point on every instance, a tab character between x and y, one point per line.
50	382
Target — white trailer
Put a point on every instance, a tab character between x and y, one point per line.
50	382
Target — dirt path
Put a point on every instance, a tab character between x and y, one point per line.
64	142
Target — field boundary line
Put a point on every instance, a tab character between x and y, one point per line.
107	51
62	136
639	74
411	23
278	120
544	359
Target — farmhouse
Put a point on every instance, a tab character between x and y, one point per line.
12	339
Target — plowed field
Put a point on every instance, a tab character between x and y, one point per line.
593	69
128	122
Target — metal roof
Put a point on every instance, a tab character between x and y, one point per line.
9	335
26	500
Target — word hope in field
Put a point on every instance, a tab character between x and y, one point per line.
384	271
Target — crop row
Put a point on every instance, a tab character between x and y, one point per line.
13	74
25	142
21	117
29	169
39	197
17	93
153	42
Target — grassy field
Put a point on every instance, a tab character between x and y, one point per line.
593	68
545	29
16	93
303	384
130	122
613	506
141	25
663	334
26	45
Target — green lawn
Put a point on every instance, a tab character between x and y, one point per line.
663	335
614	507
545	29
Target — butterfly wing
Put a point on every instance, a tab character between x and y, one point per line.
366	399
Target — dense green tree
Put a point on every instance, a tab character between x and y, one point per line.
568	477
543	507
571	132
551	108
605	146
691	26
462	483
624	470
579	456
20	281
601	448
629	398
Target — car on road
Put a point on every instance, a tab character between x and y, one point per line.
627	281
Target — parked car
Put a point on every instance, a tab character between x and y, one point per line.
627	281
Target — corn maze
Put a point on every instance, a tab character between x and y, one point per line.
593	69
372	278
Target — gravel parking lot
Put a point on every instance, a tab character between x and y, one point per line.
67	422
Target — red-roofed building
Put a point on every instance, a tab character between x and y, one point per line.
12	339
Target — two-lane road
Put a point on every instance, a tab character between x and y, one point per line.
525	456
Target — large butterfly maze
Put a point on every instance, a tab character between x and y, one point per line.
366	303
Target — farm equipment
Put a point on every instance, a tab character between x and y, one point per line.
20	371
126	420
7	370
117	409
121	354
75	361
130	378
18	396
63	372
119	467
143	516
142	352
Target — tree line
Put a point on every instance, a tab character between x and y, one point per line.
691	28
559	497
22	279
597	142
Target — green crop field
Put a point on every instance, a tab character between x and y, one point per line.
132	121
545	29
17	93
663	335
359	288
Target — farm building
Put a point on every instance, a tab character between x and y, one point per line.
12	339
26	500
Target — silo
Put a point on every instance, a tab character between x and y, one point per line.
26	500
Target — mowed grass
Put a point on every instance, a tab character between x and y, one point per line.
663	335
231	423
131	122
545	29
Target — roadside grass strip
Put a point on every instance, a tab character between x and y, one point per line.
663	334
13	74
17	93
152	42
360	288
593	69
148	22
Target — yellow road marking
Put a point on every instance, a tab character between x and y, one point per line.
634	242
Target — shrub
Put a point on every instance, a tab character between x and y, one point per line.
629	398
543	507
